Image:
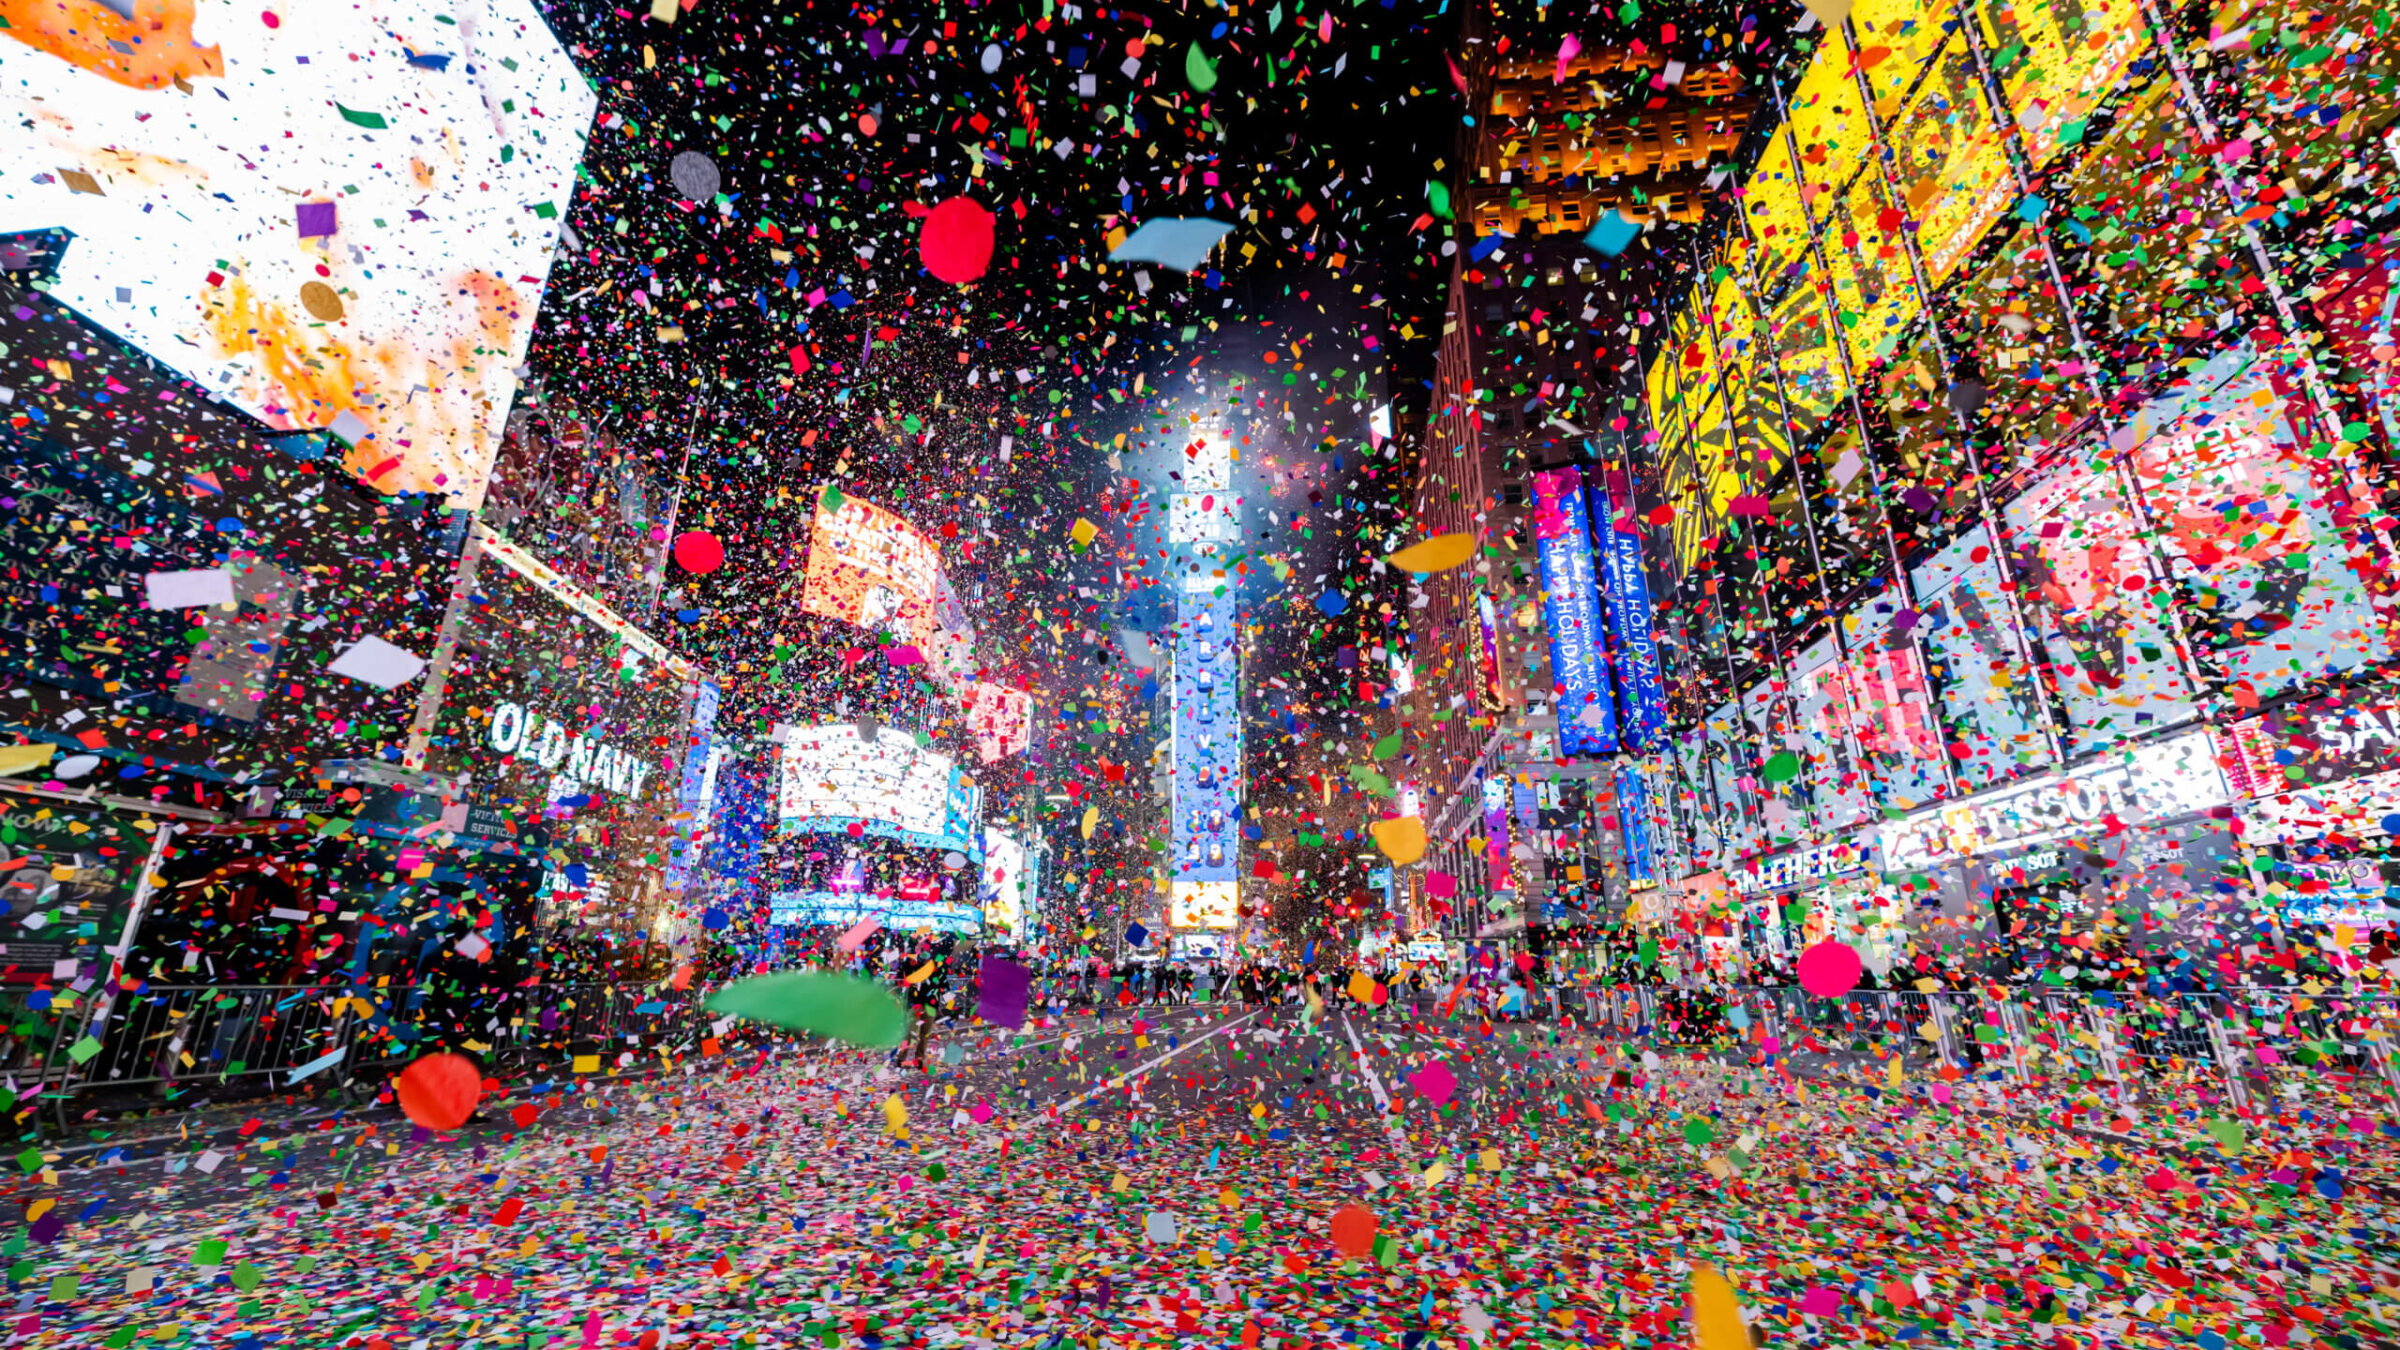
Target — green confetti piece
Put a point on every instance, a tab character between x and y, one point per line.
371	121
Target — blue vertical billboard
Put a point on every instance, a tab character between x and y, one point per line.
1587	717
1208	743
697	784
1642	692
1633	816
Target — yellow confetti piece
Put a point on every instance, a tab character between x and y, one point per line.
1091	820
1402	839
1083	532
895	1115
921	974
1438	554
1716	1313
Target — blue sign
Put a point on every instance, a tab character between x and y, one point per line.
1587	714
698	782
791	909
1208	738
1633	816
1643	692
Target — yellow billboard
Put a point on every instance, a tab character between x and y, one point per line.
1951	164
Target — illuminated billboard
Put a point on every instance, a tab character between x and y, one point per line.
999	718
869	567
1208	739
884	784
1633	655
331	216
1587	715
1006	892
796	909
1209	905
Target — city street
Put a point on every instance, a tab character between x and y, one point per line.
1173	1179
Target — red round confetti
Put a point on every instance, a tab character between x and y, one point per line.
699	552
1354	1231
439	1092
1830	969
955	241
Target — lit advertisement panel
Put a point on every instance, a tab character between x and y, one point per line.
1825	119
1633	814
1587	717
1198	905
869	567
796	909
557	710
699	781
1771	201
1007	886
1208	738
2083	579
1990	702
2076	53
1632	648
999	718
1894	40
1951	162
2246	520
888	785
330	216
1871	279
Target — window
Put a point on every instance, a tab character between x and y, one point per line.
1512	494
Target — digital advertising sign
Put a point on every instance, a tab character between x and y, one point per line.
869	567
885	783
1007	889
1587	714
1208	739
559	711
1633	654
836	909
999	718
330	216
1213	906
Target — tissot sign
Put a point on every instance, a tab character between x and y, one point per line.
2173	777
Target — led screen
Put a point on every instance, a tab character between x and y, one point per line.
1990	701
999	718
2084	577
1633	650
885	783
1208	739
2272	591
869	567
331	216
795	909
1006	890
560	712
1587	716
1212	905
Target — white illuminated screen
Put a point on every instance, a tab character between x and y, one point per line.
187	152
831	776
1003	884
1203	904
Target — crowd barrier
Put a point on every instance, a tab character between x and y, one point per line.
183	1047
2250	1047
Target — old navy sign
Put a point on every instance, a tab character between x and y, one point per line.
1636	655
1587	717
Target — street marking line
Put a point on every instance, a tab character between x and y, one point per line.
1121	1079
1383	1099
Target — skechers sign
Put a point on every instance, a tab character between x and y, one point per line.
576	758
